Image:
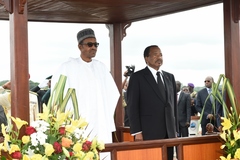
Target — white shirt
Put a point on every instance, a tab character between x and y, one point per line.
154	73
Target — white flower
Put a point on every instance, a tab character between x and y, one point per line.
40	125
77	133
30	152
41	137
34	140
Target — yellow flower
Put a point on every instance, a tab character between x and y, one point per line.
66	142
232	142
25	139
2	147
61	117
237	153
89	155
19	123
77	147
26	157
48	149
70	128
97	144
101	145
80	154
6	138
65	151
13	148
228	157
223	146
81	122
94	143
223	135
226	123
236	135
45	114
36	157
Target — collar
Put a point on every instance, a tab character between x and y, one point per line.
154	70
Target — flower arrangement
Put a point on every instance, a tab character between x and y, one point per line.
57	134
230	132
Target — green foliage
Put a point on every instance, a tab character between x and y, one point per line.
57	98
221	91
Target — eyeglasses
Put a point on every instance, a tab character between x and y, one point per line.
206	81
90	44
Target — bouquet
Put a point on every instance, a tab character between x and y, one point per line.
230	132
56	134
231	139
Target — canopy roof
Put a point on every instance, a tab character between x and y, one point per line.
102	11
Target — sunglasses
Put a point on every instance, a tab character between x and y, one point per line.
90	44
206	81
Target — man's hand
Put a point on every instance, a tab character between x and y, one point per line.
7	85
209	116
138	137
43	84
187	124
125	73
220	128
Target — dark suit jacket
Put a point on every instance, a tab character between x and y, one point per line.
201	97
184	109
148	111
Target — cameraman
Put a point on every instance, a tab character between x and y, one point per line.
127	73
124	98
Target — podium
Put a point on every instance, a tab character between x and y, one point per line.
194	127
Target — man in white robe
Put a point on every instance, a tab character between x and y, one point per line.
5	101
96	91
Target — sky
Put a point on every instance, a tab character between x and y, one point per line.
191	42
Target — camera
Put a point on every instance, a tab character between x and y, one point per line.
130	70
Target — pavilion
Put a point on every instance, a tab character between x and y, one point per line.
118	16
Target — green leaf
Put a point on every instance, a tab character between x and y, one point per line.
59	101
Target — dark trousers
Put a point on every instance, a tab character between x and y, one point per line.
183	131
170	153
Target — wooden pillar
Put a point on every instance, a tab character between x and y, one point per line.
19	60
116	70
232	43
117	32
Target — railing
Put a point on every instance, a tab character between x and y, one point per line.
188	148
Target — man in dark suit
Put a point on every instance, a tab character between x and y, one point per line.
210	113
41	90
184	110
152	106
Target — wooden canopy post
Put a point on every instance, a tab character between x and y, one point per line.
115	33
232	43
19	60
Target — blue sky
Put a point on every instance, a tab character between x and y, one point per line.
191	42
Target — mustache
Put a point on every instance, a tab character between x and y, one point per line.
157	61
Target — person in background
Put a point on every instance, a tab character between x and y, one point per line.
185	89
5	96
152	101
193	95
184	110
5	104
41	89
5	101
96	91
3	118
210	112
124	97
47	94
